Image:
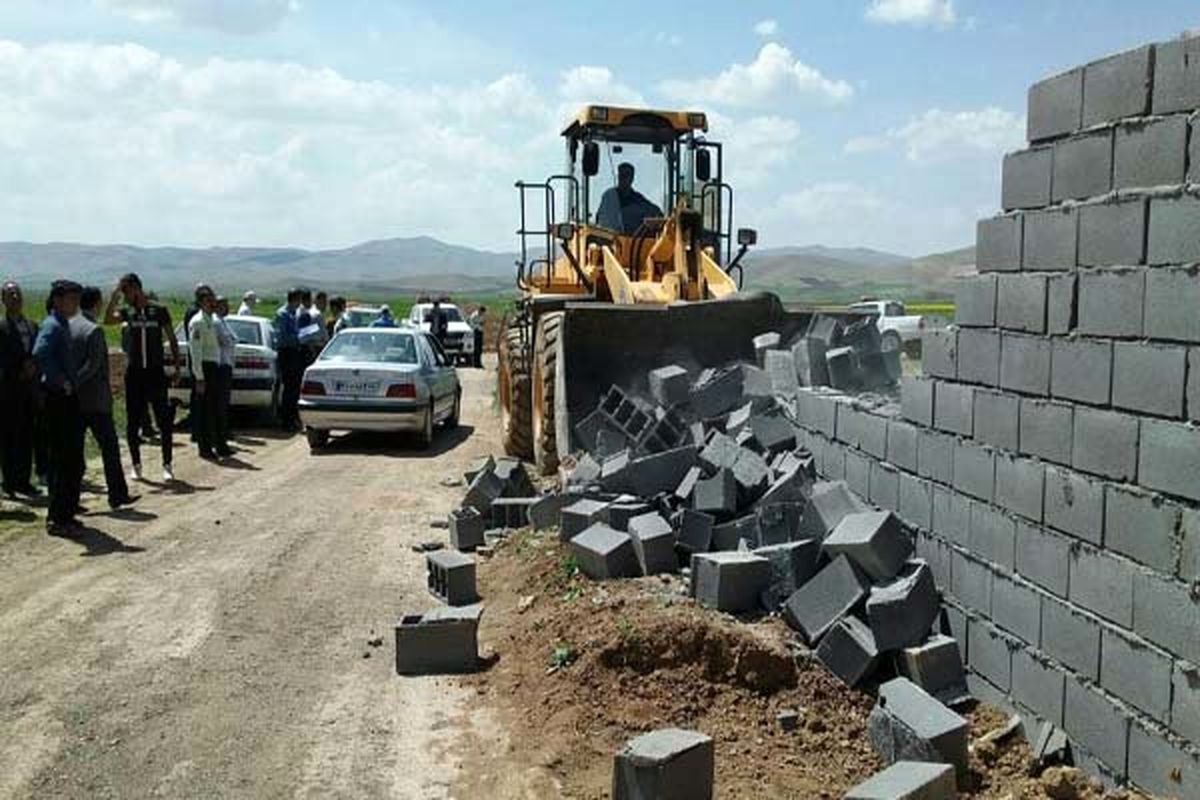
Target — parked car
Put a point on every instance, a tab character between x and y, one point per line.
897	328
255	382
460	338
379	379
362	316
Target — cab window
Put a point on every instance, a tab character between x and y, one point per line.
439	355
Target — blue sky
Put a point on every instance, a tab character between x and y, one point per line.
318	123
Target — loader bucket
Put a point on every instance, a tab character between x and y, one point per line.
602	345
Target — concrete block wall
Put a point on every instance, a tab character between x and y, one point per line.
1048	461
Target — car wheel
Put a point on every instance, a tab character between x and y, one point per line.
316	439
455	414
426	437
889	342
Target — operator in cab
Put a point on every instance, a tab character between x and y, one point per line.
623	208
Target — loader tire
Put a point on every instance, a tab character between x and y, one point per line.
513	389
545	367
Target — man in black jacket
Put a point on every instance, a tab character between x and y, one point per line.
18	386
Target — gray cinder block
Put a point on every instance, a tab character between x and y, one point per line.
781	368
1055	106
604	553
873	540
992	535
466	529
1017	608
1071	637
979	352
1075	504
909	724
1174	236
694	531
1177	76
937	667
1185	705
719	452
546	511
619	512
772	433
1193	385
817	606
792	564
935	456
764	342
666	764
1050	239
1194	154
916	400
1150	153
902	445
716	392
483	491
778	523
990	654
998	244
916	502
872	433
1098	725
884	486
1083	166
1111	302
1025	181
975	470
939	353
1081	369
955	624
1113	234
716	495
849	651
737	534
952	515
1020	485
450	577
1141	525
901	613
1105	443
908	780
653	542
438	642
1020	305
1103	584
1025	363
1060	304
1041	558
1046	428
830	503
670	385
1118	86
1149	378
1136	673
1167	613
997	419
575	518
858	473
809	356
729	581
1038	685
1161	766
975	301
1172	297
954	407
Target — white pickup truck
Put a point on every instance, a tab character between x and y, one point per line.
897	328
460	338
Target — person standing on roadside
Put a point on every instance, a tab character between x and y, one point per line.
145	371
337	310
227	341
249	301
52	351
94	393
204	355
477	322
290	361
439	325
18	390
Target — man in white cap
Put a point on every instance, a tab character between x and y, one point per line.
249	301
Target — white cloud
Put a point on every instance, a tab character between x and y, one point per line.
672	39
229	16
766	27
755	146
866	144
920	13
939	136
590	84
774	76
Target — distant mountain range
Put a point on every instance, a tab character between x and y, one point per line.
424	264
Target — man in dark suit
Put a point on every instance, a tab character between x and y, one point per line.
18	388
89	350
52	352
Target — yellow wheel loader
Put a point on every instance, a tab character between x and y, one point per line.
627	263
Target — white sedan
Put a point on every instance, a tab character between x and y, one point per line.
379	379
254	376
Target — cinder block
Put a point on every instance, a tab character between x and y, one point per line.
466	529
1055	106
1174	236
936	553
772	433
1149	378
653	542
1193	156
716	495
752	474
1193	385
975	301
971	583
438	642
1083	166
842	365
916	502
1111	302
992	535
1020	306
1160	766
955	623
935	456
1050	239
1172	297
670	385
1189	531
792	564
694	531
979	352
604	553
849	651
619	512
1185	703
830	503
577	517
764	342
1102	584
778	522
1020	484
975	470
939	353
991	654
736	534
1071	637
1046	429
952	515
872	435
858	473
729	581
998	244
885	486
1025	363
902	445
1097	724
916	400
1075	505
545	512
908	780
1038	685
954	405
1167	613
1025	181
820	411
809	356
716	392
781	368
670	763
511	513
1150	153
1136	673
1017	608
1042	558
1105	443
901	613
483	491
450	577
908	723
1081	369
1177	76
1060	304
997	419
937	668
1113	234
874	540
1118	86
817	606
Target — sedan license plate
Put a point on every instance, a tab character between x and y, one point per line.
357	388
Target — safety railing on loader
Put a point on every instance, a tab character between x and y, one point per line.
528	265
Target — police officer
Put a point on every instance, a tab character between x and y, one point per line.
204	353
18	378
52	352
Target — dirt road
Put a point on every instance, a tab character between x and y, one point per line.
214	643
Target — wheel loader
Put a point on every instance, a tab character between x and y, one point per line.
613	285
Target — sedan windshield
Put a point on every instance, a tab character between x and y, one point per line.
377	347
